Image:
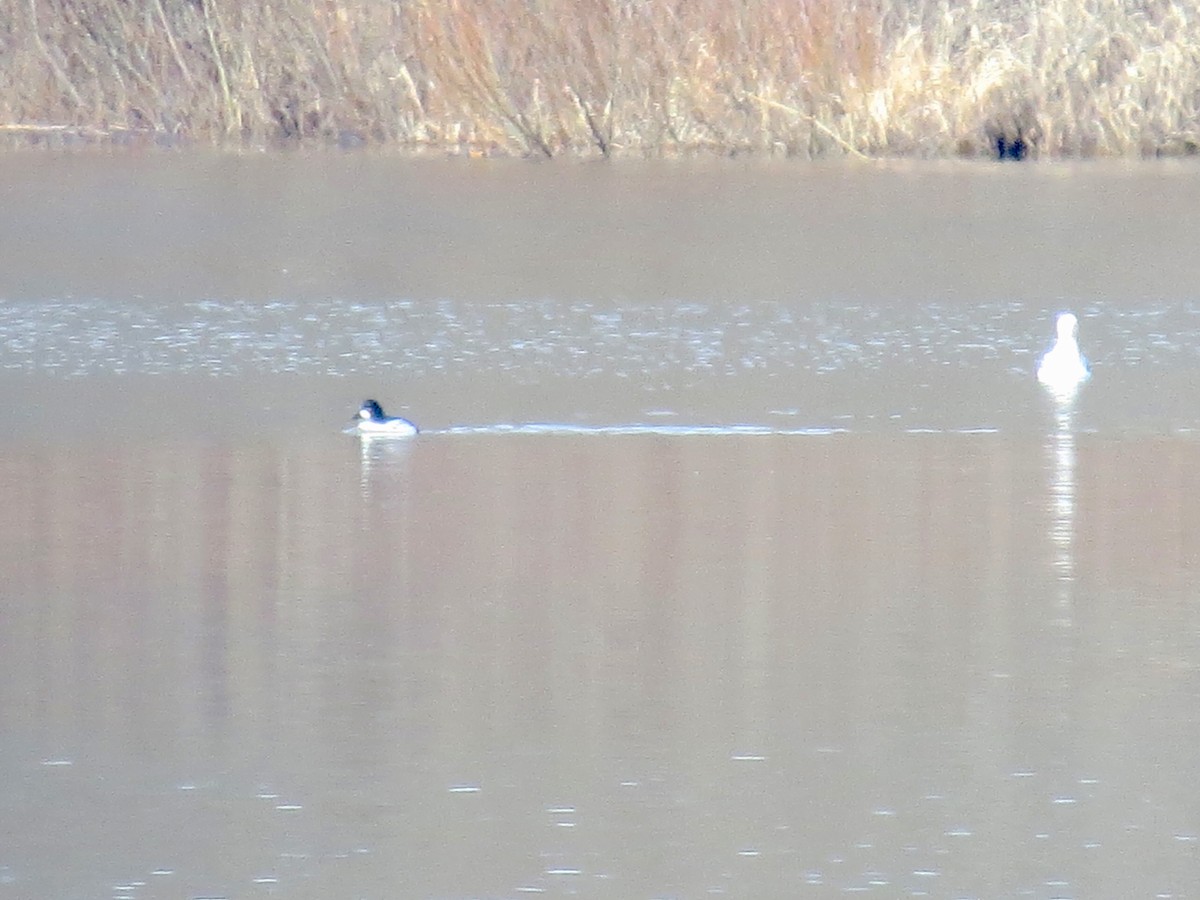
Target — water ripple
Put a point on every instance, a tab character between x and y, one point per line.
571	338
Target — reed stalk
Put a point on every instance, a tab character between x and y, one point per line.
808	78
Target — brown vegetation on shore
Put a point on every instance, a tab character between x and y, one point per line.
809	78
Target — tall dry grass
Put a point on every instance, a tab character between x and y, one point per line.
811	78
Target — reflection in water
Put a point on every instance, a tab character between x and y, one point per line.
794	660
1061	447
380	454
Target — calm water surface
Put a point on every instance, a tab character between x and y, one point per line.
741	555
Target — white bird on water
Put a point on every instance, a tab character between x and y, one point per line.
1063	369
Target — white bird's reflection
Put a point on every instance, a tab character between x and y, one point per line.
1061	452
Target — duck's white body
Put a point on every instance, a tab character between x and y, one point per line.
371	422
1063	369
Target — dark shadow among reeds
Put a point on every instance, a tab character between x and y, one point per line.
807	78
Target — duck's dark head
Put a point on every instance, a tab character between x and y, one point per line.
370	410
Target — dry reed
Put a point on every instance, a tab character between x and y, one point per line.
810	78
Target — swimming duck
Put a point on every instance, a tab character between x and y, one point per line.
1064	368
372	421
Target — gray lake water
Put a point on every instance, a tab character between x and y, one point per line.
740	555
